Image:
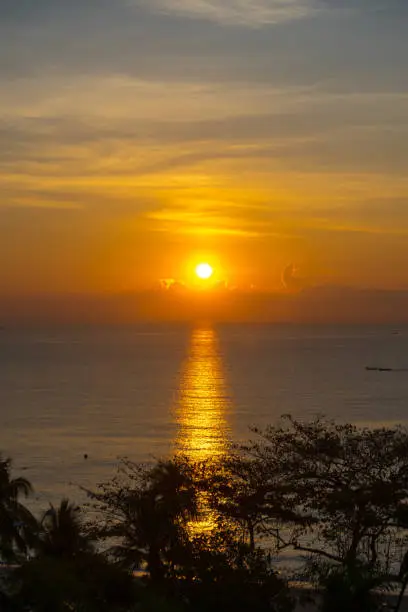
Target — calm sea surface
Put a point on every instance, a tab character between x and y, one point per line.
146	391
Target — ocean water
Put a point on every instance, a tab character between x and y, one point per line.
147	391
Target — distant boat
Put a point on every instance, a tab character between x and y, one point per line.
372	369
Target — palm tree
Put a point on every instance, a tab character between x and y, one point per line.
67	573
17	524
150	514
62	532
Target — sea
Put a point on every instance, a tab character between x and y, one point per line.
75	400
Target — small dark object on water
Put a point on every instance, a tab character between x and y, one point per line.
370	369
85	456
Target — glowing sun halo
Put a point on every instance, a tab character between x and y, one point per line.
204	271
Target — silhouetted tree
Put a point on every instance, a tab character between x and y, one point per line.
87	583
148	510
17	525
67	573
221	572
346	491
351	589
242	491
62	533
334	493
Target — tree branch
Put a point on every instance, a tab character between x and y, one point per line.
317	551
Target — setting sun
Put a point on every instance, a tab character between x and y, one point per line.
204	271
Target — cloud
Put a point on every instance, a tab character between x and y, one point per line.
235	12
170	284
290	280
97	37
256	13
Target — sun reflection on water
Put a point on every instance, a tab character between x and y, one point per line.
202	408
203	403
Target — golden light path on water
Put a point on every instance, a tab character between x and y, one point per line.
203	405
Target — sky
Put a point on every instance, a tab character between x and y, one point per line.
141	137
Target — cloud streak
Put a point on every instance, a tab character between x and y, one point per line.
254	13
236	12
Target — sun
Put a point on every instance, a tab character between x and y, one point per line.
204	271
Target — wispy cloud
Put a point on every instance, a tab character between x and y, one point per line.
235	12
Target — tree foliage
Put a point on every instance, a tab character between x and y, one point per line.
62	535
66	572
146	512
152	513
333	492
85	583
333	495
17	525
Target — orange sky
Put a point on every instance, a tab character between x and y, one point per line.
141	139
